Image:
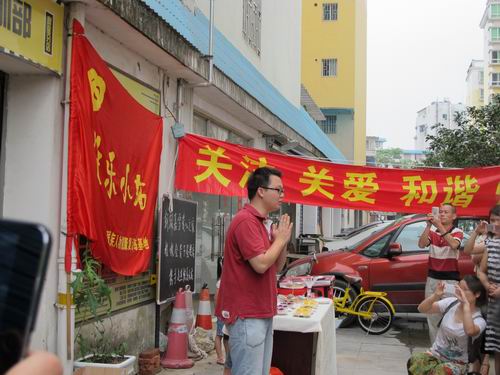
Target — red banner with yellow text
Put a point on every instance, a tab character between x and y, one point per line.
206	165
113	164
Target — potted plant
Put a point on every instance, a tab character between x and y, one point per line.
96	345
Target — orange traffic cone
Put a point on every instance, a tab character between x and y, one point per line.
176	354
204	317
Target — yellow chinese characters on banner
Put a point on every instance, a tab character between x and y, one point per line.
360	187
97	87
251	165
419	190
213	165
459	191
109	185
126	243
317	181
223	168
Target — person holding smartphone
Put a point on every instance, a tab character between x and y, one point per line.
476	247
444	243
461	320
489	274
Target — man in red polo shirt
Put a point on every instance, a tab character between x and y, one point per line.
444	244
252	257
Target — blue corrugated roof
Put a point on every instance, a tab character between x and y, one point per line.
194	28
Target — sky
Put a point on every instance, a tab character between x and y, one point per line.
418	51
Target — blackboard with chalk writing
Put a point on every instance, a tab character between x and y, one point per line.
176	253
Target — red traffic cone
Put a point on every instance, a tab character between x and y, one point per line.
204	317
176	354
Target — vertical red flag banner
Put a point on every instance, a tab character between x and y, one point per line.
113	164
223	168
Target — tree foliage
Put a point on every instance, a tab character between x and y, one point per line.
475	143
393	157
388	156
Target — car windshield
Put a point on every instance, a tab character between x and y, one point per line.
464	224
361	232
354	231
380	227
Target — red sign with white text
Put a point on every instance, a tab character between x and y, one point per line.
113	164
206	165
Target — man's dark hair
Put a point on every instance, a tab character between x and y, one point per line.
476	286
495	210
260	178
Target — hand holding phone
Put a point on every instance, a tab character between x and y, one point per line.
493	228
449	289
24	250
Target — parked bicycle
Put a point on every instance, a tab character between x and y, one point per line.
374	312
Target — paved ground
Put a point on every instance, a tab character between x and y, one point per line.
358	353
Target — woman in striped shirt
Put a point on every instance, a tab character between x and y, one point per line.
489	274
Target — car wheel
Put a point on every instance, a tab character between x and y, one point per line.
339	289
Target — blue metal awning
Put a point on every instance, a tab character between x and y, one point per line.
227	58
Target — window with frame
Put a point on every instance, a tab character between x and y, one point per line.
495	34
481	77
495	57
445	116
495	79
495	11
208	128
252	23
330	11
375	249
329	126
481	94
409	235
329	67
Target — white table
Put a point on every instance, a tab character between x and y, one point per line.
322	325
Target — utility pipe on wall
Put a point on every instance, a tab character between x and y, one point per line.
210	55
65	310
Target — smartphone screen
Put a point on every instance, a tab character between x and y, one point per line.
449	289
24	250
493	228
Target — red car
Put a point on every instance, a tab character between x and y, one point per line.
389	260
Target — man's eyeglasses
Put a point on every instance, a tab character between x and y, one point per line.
279	190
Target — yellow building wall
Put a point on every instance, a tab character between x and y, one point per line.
345	40
328	39
474	99
489	90
360	83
